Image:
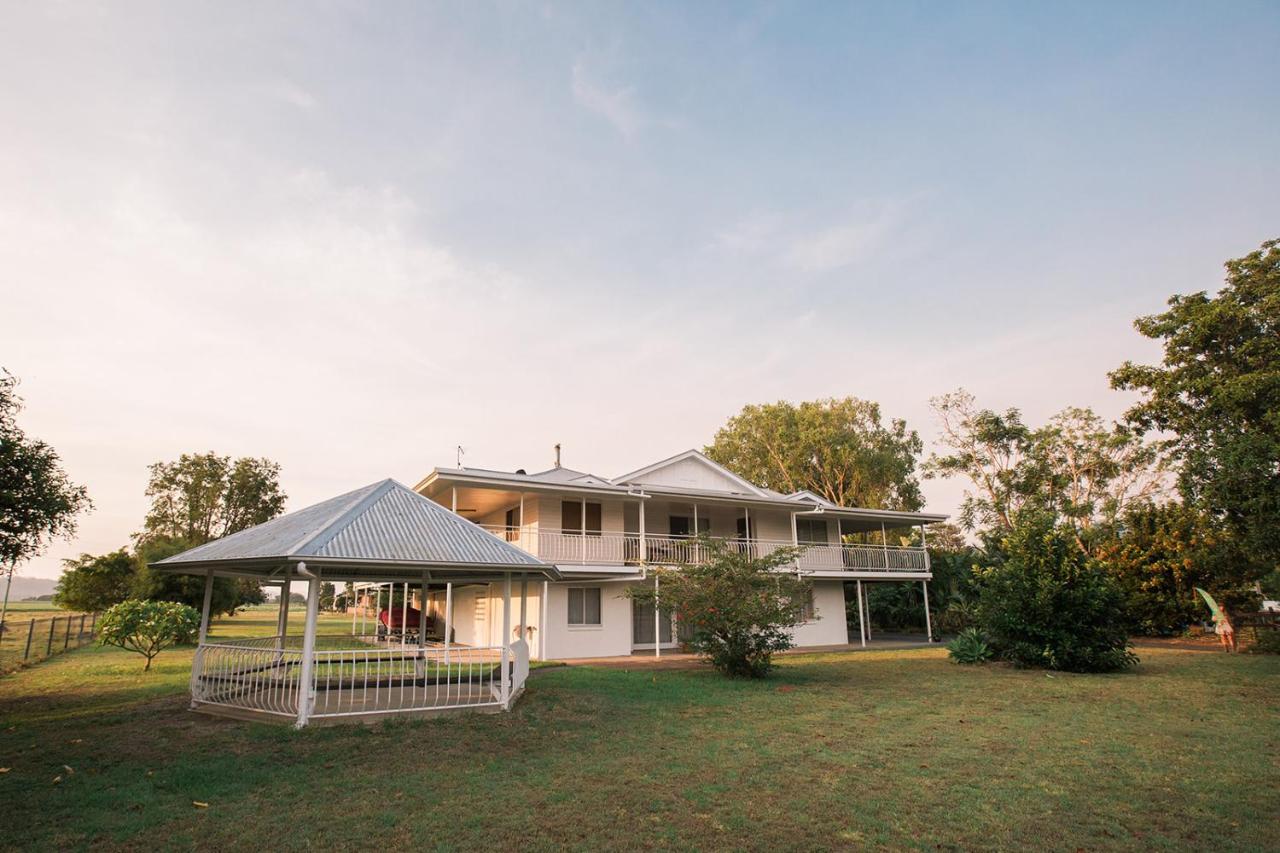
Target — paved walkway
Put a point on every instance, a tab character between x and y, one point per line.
683	660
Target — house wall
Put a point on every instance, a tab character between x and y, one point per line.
829	627
611	638
690	474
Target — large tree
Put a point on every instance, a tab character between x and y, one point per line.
838	448
94	583
198	498
204	496
1216	395
1076	467
38	501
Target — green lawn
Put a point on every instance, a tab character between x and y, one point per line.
894	749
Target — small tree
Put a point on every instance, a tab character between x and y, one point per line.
739	606
1045	604
95	583
148	627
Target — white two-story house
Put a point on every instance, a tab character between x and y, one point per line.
603	534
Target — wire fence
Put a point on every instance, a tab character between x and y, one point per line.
32	640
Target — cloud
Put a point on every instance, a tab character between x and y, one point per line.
617	105
843	244
291	93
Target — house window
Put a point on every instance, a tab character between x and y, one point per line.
808	612
812	531
571	518
682	525
584	606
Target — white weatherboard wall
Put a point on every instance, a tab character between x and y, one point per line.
611	638
829	627
690	474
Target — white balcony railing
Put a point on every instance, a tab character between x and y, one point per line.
623	549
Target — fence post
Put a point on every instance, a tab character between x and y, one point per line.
93	624
31	629
67	637
80	631
53	626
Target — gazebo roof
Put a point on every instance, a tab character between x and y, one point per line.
382	531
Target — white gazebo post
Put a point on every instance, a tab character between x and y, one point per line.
404	616
208	600
351	602
506	642
282	618
306	687
448	619
422	614
928	625
862	628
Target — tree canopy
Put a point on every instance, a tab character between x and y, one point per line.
95	583
1217	396
38	501
837	448
204	496
1076	467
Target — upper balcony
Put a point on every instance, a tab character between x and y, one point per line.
604	548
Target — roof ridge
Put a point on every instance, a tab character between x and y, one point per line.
318	539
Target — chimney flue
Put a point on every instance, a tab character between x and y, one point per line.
557	454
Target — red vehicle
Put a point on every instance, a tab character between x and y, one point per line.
396	620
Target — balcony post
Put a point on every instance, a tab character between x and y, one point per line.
453	506
884	543
583	529
643	549
657	620
928	625
862	629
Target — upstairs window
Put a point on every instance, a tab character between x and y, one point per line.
584	606
572	518
811	531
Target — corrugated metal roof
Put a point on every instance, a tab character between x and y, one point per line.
383	521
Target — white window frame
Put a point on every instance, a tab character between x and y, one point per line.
584	626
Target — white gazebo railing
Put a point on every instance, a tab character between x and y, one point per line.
264	676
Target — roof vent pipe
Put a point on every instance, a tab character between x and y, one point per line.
557	454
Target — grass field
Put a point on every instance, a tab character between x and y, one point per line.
894	749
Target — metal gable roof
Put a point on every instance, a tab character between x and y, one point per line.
382	522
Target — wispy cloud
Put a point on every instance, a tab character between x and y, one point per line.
615	104
850	240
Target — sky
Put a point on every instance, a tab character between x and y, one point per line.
350	237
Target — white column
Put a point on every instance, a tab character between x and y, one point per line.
862	626
454	504
448	619
884	543
282	618
422	614
306	689
928	625
795	534
583	529
524	607
657	620
542	621
404	614
643	551
506	642
351	602
208	600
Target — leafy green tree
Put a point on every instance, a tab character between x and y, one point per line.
1076	467
1161	552
38	501
198	498
837	448
741	608
148	627
94	583
204	496
1046	604
1217	394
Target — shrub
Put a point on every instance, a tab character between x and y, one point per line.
1268	642
1046	605
970	646
148	627
740	608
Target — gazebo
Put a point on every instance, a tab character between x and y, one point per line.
382	533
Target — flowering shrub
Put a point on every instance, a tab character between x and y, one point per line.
148	627
740	607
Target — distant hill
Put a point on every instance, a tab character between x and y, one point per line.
28	587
